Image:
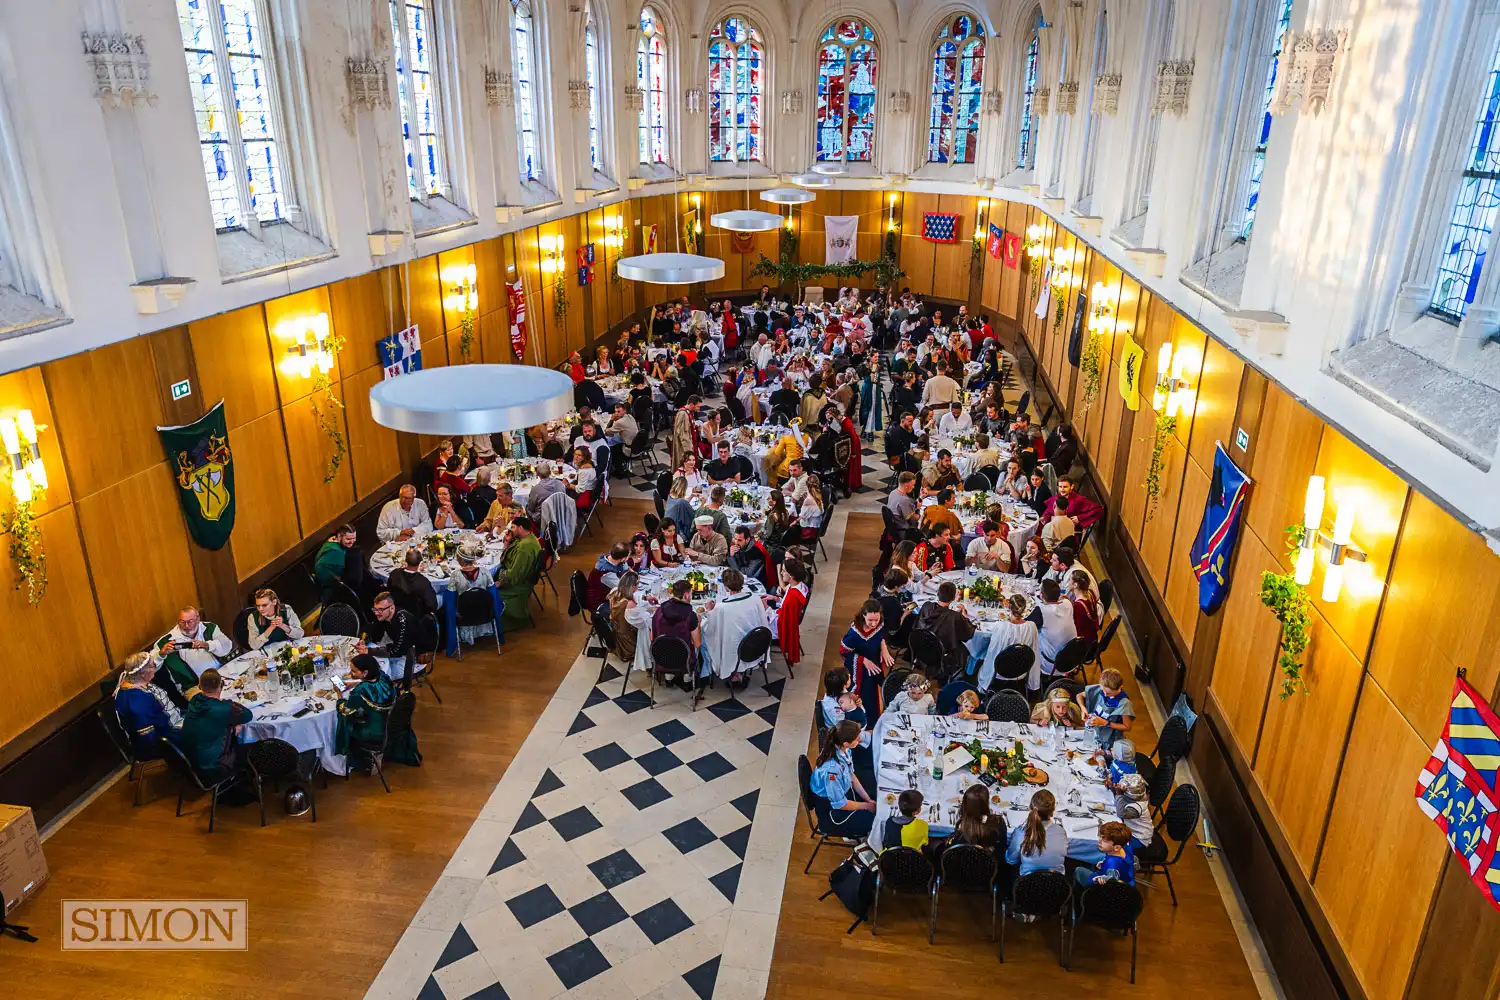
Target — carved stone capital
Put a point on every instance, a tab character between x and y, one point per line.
578	95
992	102
499	89
791	102
1041	101
1308	65
1067	97
635	99
1174	84
367	83
900	102
120	67
693	100
1107	93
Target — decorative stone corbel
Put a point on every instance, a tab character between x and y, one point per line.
900	102
993	101
578	95
367	82
385	242
1306	74
499	89
1067	97
791	102
635	99
1107	93
1174	83
158	295
1265	330
1148	260
1041	101
120	67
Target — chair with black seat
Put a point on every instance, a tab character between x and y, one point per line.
423	653
810	807
1114	906
270	761
736	410
1107	637
947	697
553	450
397	725
1037	895
755	648
188	777
1179	820
1160	785
1074	688
823	522
604	628
1007	706
1013	668
1106	597
139	767
1047	415
784	415
991	474
901	869
966	868
669	655
641	451
339	619
976	482
1023	402
640	408
476	608
1173	741
578	597
927	652
1071	657
544	570
240	629
895	680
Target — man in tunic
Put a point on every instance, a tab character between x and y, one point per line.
191	648
403	517
727	622
339	562
685	431
519	568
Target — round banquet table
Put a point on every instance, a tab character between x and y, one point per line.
306	719
1022	520
657	580
988	618
384	560
521	474
964	454
617	389
903	746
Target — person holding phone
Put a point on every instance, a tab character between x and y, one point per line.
272	621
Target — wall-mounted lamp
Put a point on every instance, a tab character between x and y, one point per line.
1171	384
1034	236
1102	315
309	348
552	253
788	222
463	289
614	231
28	474
1338	544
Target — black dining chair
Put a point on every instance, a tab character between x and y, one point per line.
188	778
966	868
1160	785
669	655
1008	706
1013	668
1106	596
1037	895
240	629
397	725
476	608
810	807
1114	906
755	648
272	760
1106	638
1071	657
947	696
901	870
339	619
927	652
140	767
893	683
1173	741
1179	820
975	482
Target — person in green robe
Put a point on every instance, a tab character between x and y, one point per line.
330	567
363	711
519	569
208	727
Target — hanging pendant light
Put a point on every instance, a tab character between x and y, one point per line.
671	268
787	196
746	220
830	169
812	181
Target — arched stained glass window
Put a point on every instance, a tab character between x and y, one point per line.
591	72
1027	151
1263	134
523	38
417	95
846	93
1469	231
957	88
736	60
651	77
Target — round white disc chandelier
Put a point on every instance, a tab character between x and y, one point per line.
671	268
830	169
746	220
812	181
787	196
471	399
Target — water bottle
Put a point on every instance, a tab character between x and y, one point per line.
937	760
320	663
273	681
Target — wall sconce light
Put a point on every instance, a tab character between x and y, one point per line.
28	474
697	199
1104	299
463	289
1339	545
552	252
1171	387
788	223
614	231
309	348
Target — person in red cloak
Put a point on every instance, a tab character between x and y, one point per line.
794	594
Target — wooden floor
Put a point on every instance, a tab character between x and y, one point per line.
1184	952
328	901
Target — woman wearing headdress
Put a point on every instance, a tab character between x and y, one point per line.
467	576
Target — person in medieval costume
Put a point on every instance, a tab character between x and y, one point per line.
363	713
726	622
191	647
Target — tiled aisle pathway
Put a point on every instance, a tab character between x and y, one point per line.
628	852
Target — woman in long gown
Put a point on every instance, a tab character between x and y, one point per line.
866	656
363	712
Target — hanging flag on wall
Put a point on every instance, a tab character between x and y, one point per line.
1132	356
1012	250
997	241
515	295
1044	300
401	352
1457	787
839	233
586	264
939	228
650	238
200	458
741	242
1075	335
1213	549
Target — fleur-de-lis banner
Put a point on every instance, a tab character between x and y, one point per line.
201	460
1457	787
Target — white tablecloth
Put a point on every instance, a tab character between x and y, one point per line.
987	619
901	744
384	560
506	470
1021	519
277	718
657	580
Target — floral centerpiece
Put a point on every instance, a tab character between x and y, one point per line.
740	498
294	662
1007	764
976	502
964	440
698	579
437	546
986	588
516	472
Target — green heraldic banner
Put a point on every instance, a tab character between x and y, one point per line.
200	459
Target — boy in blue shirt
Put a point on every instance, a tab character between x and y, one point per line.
1121	764
1117	865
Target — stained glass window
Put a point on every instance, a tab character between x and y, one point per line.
1468	237
226	61
416	90
736	60
1263	134
1027	148
651	77
523	35
957	88
591	72
847	60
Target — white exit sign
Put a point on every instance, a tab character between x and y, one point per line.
182	390
1241	439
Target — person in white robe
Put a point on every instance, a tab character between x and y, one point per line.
193	643
404	517
726	622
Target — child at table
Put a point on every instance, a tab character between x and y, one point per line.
1133	806
1106	708
1041	843
839	703
968	707
1117	866
915	698
905	829
1122	763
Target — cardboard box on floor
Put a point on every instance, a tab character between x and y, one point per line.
23	870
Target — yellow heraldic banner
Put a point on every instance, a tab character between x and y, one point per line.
1131	359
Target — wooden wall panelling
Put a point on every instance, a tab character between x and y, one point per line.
917	255
1215	402
1302	741
1382	857
1380	495
1245	672
373	454
989	290
55	650
490	268
1427	629
1157	533
309	450
1447	964
1286	453
451	264
950	262
1181	589
591	230
142	576
577	330
172	356
1190	345
538	312
265	523
1132	498
360	310
106	408
424	306
27	390
233	357
286	319
1013	279
1112	412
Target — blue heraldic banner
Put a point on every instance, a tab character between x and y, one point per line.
1213	549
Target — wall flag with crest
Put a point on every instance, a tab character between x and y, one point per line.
1213	549
1457	788
200	458
1132	356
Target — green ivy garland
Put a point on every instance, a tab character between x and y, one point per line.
1165	427
560	294
886	270
327	412
26	551
1088	365
466	336
1290	604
